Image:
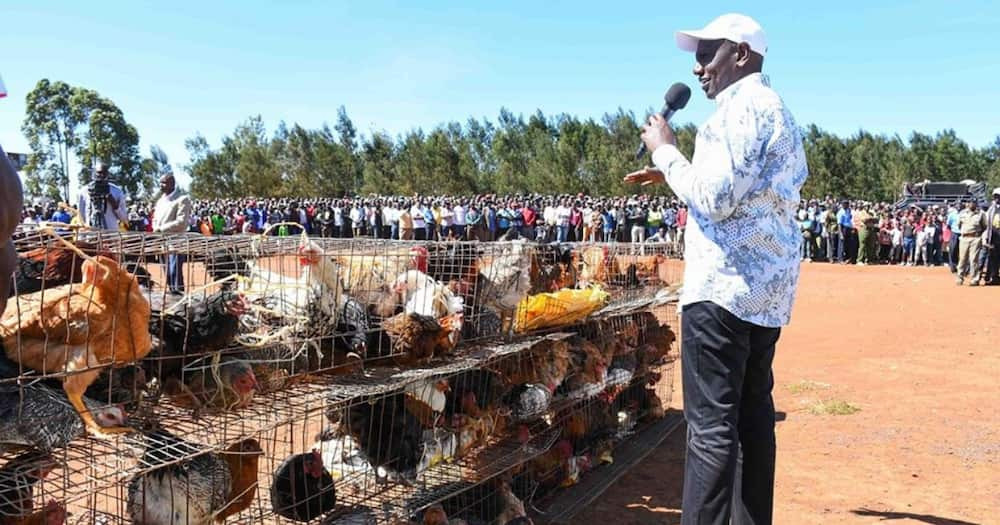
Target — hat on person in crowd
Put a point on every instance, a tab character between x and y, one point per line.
732	26
996	191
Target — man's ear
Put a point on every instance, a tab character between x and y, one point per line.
743	54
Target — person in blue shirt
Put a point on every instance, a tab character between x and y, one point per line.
846	223
609	225
952	223
491	222
61	216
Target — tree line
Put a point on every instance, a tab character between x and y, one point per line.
513	154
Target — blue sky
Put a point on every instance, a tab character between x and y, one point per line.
178	68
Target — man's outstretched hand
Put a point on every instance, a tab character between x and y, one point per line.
645	176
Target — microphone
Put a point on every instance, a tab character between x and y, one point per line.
676	98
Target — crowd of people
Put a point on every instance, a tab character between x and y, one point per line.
958	234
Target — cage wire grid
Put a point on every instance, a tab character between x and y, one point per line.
91	471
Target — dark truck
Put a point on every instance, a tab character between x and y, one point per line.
927	193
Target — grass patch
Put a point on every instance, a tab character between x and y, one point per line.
833	407
804	386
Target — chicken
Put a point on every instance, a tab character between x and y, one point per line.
474	392
551	469
435	515
77	329
18	479
512	508
242	460
529	402
48	267
387	434
306	317
504	279
546	363
302	489
418	338
126	387
597	266
552	269
585	426
369	278
588	369
193	491
427	400
36	416
54	513
201	327
474	432
222	383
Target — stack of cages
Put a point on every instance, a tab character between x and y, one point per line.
294	379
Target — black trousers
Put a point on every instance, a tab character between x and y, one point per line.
726	367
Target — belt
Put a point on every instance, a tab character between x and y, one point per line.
971	234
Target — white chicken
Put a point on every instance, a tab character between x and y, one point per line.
504	280
424	295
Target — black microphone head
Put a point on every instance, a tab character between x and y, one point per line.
677	96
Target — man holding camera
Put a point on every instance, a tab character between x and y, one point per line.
102	206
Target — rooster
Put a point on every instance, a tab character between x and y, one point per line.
78	329
18	479
196	491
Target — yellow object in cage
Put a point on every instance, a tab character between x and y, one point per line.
567	306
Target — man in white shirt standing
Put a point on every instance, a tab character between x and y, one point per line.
741	269
102	204
171	215
458	216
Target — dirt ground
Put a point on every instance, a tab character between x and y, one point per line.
918	356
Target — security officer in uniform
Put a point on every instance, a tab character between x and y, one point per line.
971	225
993	240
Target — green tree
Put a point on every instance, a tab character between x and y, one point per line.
51	125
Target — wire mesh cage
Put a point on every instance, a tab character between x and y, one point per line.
410	373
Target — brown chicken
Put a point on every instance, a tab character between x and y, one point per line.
78	329
546	363
588	365
242	459
47	267
419	338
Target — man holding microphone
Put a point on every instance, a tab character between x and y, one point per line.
741	268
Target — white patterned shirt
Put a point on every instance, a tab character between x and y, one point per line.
742	189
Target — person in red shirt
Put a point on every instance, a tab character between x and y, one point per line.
682	220
576	222
530	217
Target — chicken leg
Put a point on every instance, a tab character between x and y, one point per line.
82	370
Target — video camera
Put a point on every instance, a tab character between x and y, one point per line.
98	191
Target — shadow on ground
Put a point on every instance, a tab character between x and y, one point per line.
922	518
647	495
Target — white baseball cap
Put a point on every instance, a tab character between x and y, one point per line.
733	27
996	191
